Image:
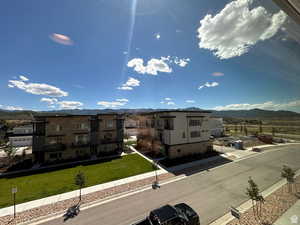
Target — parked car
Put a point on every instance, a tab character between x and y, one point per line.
180	214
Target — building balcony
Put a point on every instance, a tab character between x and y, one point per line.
80	145
110	141
54	147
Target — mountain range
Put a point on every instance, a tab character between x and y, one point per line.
238	114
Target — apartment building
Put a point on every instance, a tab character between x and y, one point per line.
21	136
76	136
216	127
181	133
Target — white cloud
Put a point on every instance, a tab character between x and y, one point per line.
170	103
153	66
53	102
157	36
37	88
12	108
50	101
207	84
217	74
167	101
61	39
181	62
70	104
236	28
125	52
23	78
112	104
157	65
122	100
131	82
266	105
125	88
190	101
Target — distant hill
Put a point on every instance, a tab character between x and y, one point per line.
238	114
257	114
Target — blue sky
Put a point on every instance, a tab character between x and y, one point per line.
139	54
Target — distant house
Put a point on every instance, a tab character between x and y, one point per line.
180	133
130	126
21	136
23	130
20	141
216	126
75	137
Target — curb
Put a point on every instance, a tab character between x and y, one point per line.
248	204
86	206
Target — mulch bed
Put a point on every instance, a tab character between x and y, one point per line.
86	199
275	205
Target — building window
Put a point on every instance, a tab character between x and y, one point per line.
81	139
108	136
109	124
53	155
195	134
58	128
81	126
194	123
169	125
183	134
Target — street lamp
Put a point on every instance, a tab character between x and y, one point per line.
14	190
155	184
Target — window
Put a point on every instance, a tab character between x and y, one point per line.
82	139
194	123
53	156
58	128
183	134
168	125
108	136
195	134
109	124
81	126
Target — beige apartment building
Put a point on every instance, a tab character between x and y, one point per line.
181	133
76	136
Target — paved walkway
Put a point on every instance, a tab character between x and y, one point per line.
291	216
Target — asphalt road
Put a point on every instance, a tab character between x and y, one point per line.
210	192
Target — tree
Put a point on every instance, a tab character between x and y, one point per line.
260	127
273	131
235	129
79	180
10	152
253	193
289	175
246	131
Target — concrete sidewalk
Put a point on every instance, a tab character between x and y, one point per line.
291	216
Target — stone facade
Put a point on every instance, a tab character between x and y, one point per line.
76	136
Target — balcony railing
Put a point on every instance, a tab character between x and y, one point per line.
54	147
109	141
80	145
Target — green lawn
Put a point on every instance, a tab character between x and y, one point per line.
46	184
